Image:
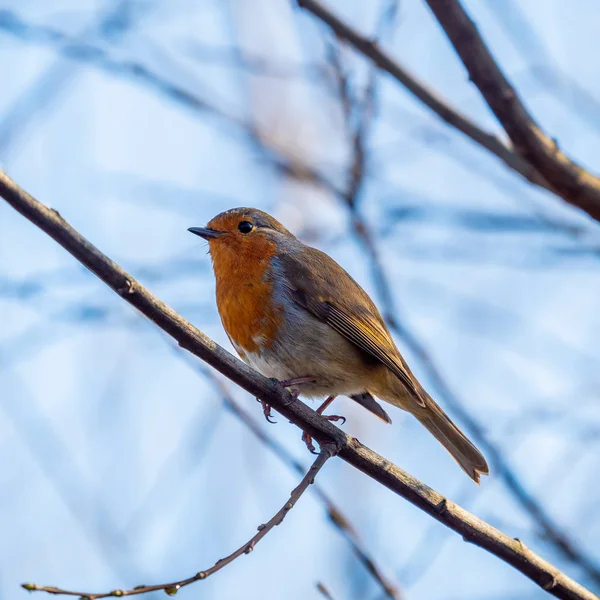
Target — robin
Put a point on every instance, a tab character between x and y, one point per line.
292	313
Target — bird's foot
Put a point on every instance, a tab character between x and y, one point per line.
289	383
307	438
286	384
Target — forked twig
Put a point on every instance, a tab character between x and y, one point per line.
328	450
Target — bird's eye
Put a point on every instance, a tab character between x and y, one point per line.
245	227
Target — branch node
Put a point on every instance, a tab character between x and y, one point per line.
172	590
261	527
548	581
128	288
200	575
442	507
30	587
522	546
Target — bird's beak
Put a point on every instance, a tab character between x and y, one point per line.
203	232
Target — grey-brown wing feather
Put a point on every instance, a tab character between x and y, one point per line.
332	296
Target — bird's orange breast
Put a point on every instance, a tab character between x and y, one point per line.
245	297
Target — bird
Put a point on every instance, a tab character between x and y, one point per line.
295	315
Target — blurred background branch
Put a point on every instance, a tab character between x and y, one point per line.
571	181
430	99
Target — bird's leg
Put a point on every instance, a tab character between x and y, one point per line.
306	437
286	383
330	417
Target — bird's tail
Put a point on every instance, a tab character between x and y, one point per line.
453	439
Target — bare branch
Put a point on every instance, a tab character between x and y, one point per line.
434	102
571	181
470	527
327	451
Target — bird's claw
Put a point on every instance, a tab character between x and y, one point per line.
307	439
334	418
267	411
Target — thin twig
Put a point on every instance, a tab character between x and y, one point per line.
572	182
324	591
327	451
470	527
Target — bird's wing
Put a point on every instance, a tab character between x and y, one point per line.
318	284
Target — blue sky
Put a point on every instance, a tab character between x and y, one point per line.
118	463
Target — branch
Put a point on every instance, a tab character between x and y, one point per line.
470	527
572	182
450	115
327	451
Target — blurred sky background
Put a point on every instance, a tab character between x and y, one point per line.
119	462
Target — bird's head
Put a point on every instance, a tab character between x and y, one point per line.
243	234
